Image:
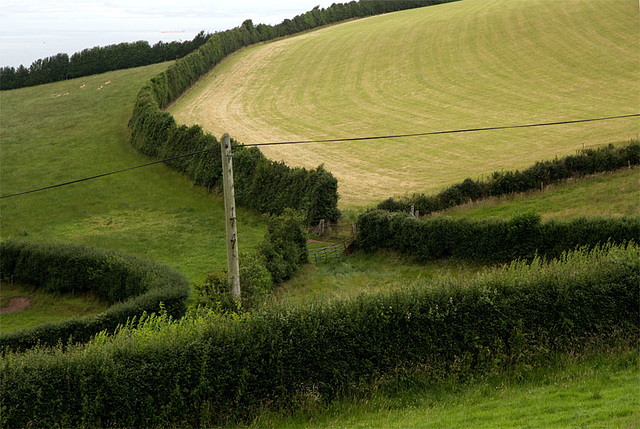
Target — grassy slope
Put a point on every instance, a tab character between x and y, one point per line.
461	65
150	212
608	194
45	307
596	393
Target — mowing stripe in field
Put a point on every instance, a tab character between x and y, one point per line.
469	64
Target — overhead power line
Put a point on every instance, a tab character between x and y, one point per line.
348	139
105	174
432	133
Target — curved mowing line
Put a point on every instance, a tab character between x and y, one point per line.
470	64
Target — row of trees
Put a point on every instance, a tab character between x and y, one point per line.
98	59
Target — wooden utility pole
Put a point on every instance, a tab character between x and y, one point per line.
233	265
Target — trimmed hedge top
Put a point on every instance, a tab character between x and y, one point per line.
205	369
132	284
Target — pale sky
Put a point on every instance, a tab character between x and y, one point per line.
33	29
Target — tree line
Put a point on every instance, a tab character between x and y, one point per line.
99	59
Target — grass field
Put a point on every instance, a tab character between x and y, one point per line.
467	64
45	307
49	137
598	391
461	65
607	194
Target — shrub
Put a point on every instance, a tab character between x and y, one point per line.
255	286
206	369
284	248
489	240
133	285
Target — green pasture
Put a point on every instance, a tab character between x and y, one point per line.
594	391
70	130
362	273
45	307
467	64
607	194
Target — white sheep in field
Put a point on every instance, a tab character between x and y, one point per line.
107	82
82	87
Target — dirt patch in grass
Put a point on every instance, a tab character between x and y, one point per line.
16	304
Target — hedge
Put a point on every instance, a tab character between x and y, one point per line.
206	370
489	240
541	174
268	186
133	285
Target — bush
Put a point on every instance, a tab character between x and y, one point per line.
133	285
206	370
255	286
282	251
284	247
489	240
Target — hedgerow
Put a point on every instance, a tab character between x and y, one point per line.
267	186
207	369
489	240
132	285
539	175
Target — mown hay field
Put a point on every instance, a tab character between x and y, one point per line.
459	65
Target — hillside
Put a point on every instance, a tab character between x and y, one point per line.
460	65
69	130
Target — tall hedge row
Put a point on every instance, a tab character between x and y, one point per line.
206	369
131	284
541	174
266	186
489	240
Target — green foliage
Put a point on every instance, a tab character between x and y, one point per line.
133	285
543	173
264	185
282	251
284	248
99	59
255	285
489	240
207	369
